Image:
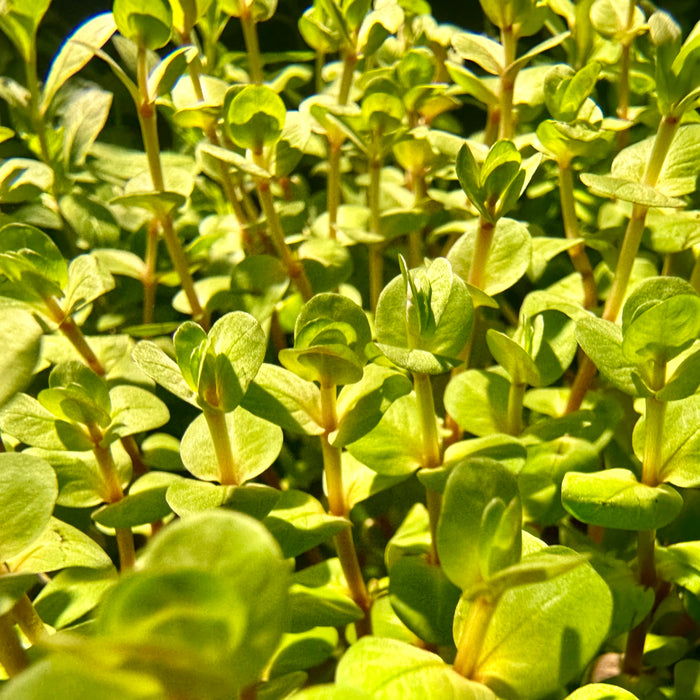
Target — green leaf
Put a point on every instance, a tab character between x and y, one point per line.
412	537
424	599
540	478
303	650
134	410
60	546
681	443
145	503
187	497
394	447
387	668
32	263
27	420
630	191
73	593
360	406
299	523
63	677
234	353
601	691
244	557
614	498
98	227
552	628
471	544
660	320
566	90
23	179
193	622
13	587
255	445
161	204
285	399
509	255
75	53
513	358
319	597
168	71
424	318
678	174
330	336
19	21
483	51
157	365
88	280
254	117
28	491
478	401
21	345
685	378
146	22
601	340
83	119
260	10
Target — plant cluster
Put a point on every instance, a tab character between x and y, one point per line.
337	397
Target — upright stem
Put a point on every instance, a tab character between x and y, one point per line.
227	183
482	247
376	250
509	40
344	544
578	256
294	268
623	86
149	132
415	238
333	192
349	62
432	455
149	280
216	422
646	539
250	36
516	393
13	657
473	635
28	620
628	253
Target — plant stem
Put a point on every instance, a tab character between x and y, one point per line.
216	422
28	619
13	657
628	252
432	456
195	71
294	268
333	191
514	418
473	635
349	62
646	539
623	86
250	36
376	250
509	40
482	246
149	280
344	544
149	131
113	494
577	254
415	238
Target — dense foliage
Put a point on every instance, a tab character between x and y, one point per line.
312	388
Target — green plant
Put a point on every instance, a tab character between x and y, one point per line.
410	407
